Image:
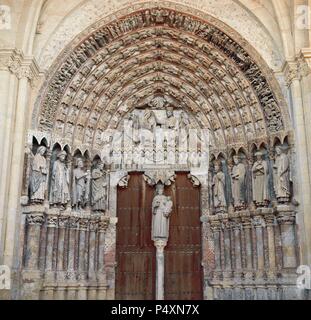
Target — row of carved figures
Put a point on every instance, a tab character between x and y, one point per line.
257	179
81	188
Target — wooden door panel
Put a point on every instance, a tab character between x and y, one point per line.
135	274
183	271
136	268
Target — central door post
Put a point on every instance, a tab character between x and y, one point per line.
160	245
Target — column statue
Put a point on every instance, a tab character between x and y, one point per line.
218	188
238	182
99	188
80	180
260	180
161	209
38	176
281	175
59	192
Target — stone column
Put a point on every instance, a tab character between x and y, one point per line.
101	274
60	262
286	218
247	230
216	229
93	228
16	74
270	223
110	257
49	272
227	249
72	245
258	224
236	226
34	222
297	75
82	267
160	245
31	275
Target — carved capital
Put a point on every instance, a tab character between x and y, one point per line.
258	222
19	65
83	224
35	219
160	245
103	224
286	218
63	221
270	220
73	222
52	221
291	72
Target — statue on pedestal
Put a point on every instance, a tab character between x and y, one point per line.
38	176
161	209
59	192
218	188
238	182
260	179
80	183
99	188
281	175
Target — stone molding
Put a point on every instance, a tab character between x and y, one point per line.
17	63
298	68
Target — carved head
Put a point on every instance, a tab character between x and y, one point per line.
62	156
100	165
79	163
41	150
217	166
160	188
259	155
236	159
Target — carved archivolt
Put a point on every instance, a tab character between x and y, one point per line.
159	50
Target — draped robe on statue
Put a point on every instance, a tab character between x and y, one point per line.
260	181
219	190
38	178
161	209
282	179
78	187
238	180
99	185
59	184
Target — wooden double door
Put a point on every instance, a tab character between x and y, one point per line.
135	251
